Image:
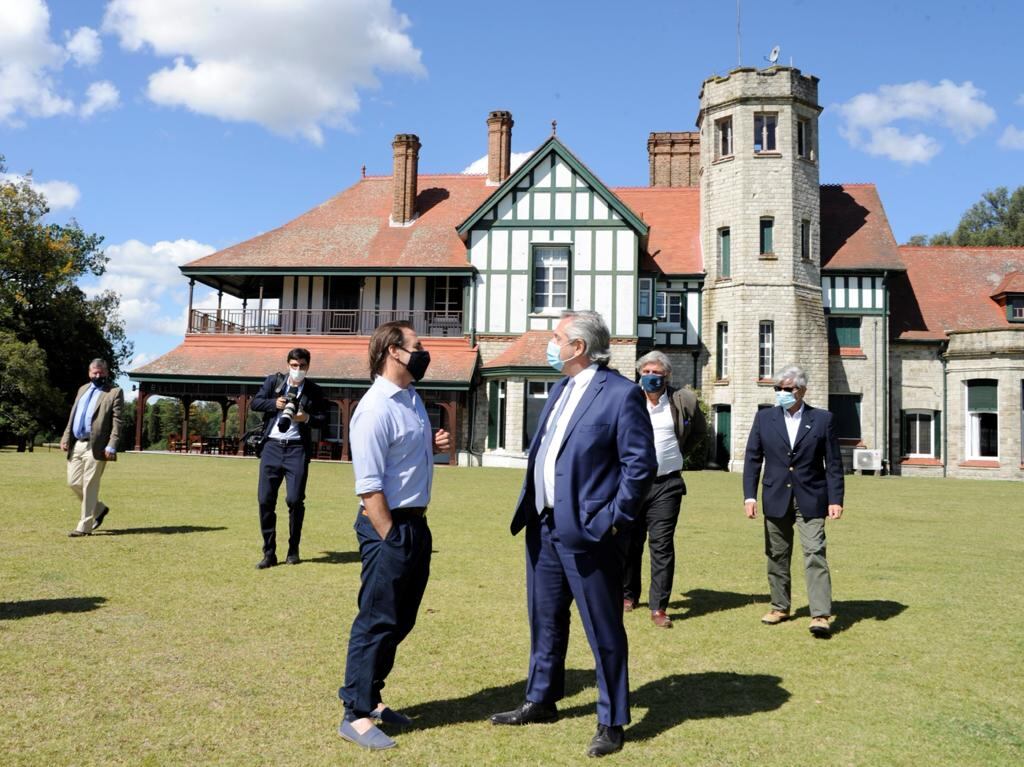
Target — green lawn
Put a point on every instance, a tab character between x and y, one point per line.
156	642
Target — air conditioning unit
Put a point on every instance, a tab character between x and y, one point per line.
867	460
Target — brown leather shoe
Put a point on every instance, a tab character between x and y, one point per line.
774	617
628	605
820	627
660	619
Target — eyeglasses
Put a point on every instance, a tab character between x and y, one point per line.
787	388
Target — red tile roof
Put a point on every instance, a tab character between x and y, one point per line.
1012	283
855	232
950	288
336	360
529	351
673	213
351	230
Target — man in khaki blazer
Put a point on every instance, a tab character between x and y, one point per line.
90	440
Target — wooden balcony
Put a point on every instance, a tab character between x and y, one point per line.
319	322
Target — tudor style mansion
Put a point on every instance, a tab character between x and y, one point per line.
734	261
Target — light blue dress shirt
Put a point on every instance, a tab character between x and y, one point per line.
89	401
392	445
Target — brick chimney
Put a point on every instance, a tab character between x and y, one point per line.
406	147
499	146
674	158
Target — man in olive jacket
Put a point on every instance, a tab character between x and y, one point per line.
90	439
678	423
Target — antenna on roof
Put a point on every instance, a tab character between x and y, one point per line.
739	58
773	56
554	127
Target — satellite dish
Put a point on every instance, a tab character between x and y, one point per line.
773	57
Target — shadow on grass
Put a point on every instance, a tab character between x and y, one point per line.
31	608
700	602
165	530
336	558
851	611
668	702
479	706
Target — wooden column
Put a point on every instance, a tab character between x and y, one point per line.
346	406
243	415
140	414
187	405
191	289
451	411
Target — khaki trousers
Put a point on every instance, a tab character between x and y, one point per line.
778	548
84	473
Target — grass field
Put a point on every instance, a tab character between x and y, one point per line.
156	642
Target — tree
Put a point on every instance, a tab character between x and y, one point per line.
997	219
24	388
41	302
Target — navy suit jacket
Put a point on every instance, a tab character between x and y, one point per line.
605	464
812	470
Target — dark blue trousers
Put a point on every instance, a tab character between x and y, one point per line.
394	577
282	462
554	578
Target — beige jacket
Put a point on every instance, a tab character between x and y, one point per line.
106	422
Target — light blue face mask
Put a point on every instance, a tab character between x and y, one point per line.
554	360
785	399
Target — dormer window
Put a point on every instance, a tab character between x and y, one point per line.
1015	309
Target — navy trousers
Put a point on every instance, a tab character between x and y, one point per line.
282	462
394	577
555	578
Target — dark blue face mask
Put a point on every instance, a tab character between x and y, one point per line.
652	383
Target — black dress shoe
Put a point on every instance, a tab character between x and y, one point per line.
77	534
99	518
269	560
528	713
292	559
607	740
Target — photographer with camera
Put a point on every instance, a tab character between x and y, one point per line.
290	404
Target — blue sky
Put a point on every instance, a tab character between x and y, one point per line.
178	127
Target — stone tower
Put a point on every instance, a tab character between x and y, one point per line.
760	226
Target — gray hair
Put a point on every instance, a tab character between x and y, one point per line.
657	358
793	373
589	327
100	363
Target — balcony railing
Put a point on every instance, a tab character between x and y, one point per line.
320	322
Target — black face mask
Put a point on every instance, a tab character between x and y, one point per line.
100	381
418	363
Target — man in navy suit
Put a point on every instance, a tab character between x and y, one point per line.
803	484
590	465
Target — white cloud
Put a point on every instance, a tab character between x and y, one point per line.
100	95
869	119
146	276
27	57
292	66
1012	138
480	166
84	46
58	194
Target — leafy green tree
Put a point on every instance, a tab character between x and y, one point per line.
996	220
41	302
25	391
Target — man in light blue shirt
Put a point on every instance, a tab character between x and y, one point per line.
393	459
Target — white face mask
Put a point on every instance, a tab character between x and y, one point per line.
298	375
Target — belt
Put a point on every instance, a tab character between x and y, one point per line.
670	475
412	511
285	442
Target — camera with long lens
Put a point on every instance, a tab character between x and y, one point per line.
284	423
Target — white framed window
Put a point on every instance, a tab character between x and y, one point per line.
767	236
982	427
803	139
765	126
670	307
550	278
920	434
536	397
722	352
645	297
723	138
724	252
765	349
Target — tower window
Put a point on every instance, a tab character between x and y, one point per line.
805	240
764	132
766	349
723	138
803	139
722	352
724	252
767	236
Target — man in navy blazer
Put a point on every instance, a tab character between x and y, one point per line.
803	484
590	465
